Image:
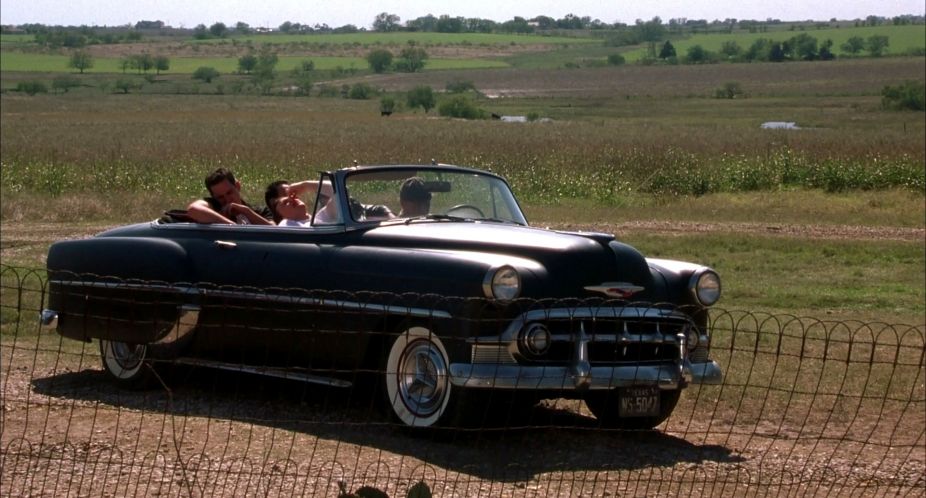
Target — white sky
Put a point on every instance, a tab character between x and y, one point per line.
272	13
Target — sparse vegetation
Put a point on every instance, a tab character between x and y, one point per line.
910	95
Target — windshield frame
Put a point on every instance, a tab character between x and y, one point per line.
342	178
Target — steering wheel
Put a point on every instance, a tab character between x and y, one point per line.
465	211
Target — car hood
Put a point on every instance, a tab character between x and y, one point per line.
571	261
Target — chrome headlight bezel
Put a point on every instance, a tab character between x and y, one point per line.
705	287
502	283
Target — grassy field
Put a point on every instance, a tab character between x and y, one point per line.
49	63
627	149
419	38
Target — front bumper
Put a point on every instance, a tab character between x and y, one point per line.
543	378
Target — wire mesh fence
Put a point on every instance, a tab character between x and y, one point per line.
270	392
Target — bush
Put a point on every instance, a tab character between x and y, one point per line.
65	83
460	107
616	60
909	95
421	96
326	90
386	105
361	91
31	87
730	90
460	86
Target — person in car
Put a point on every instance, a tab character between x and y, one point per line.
288	209
224	204
414	198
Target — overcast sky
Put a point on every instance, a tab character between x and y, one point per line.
272	13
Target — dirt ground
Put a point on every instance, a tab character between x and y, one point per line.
66	431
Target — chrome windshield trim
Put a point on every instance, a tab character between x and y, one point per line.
191	290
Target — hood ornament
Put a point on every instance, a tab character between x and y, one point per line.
622	290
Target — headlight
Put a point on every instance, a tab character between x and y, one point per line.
705	286
502	283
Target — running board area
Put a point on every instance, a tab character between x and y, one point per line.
283	373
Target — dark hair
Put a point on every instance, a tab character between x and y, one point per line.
219	176
271	195
414	190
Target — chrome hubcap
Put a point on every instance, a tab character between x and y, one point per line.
422	379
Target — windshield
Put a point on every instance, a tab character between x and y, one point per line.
379	195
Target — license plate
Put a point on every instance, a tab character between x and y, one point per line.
639	402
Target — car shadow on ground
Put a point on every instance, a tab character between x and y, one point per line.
550	437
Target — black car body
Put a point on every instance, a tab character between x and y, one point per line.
464	301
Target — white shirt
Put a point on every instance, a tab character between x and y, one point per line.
295	223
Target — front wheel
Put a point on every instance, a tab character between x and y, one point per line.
606	408
417	378
126	364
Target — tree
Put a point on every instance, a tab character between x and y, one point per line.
141	62
803	47
126	84
876	44
205	74
361	91
909	95
697	55
731	49
826	50
266	63
80	60
379	60
853	45
421	96
200	32
411	60
386	22
650	31
667	50
242	28
218	30
247	63
161	63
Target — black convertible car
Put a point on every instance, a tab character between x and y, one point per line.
442	309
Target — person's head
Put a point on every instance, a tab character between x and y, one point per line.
272	195
414	197
223	187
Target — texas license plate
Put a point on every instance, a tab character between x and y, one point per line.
639	402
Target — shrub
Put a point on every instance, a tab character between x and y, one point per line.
379	60
126	84
460	86
421	96
729	90
908	95
361	91
386	105
460	107
31	87
65	83
326	90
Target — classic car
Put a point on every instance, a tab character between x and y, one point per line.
442	309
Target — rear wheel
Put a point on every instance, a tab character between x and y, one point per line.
126	364
606	408
417	378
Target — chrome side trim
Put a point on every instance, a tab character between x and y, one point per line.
48	319
190	290
279	372
665	376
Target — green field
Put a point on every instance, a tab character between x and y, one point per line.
420	38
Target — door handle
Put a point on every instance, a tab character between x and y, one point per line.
224	244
